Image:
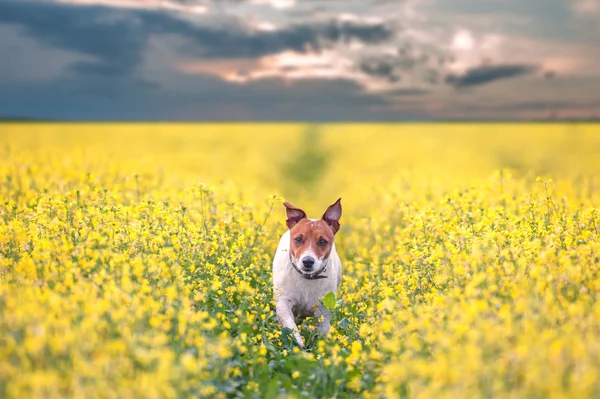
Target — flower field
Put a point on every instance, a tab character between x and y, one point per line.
135	260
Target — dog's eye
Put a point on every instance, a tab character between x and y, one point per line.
322	242
298	240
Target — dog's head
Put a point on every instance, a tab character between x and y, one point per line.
311	241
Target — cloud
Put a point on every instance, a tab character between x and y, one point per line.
295	60
280	4
180	6
487	74
586	6
291	65
414	91
380	74
115	39
111	43
203	98
380	68
407	58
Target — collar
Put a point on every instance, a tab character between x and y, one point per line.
315	275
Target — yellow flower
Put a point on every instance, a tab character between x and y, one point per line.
120	273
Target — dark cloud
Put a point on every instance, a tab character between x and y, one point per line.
408	92
380	68
488	73
235	41
206	98
115	39
298	37
408	58
107	37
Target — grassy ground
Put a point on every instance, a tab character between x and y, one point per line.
135	260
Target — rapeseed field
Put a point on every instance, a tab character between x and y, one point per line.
135	260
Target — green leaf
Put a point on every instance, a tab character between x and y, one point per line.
329	301
286	336
272	389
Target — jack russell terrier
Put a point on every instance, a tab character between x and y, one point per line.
306	267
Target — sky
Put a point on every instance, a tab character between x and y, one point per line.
300	60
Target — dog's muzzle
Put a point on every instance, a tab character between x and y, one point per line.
314	275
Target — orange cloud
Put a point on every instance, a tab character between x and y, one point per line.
223	68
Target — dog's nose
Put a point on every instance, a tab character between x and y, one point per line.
308	262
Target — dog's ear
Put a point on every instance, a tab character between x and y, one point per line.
294	215
332	216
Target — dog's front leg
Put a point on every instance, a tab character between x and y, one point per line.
285	315
323	320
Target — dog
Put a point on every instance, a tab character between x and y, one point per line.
306	267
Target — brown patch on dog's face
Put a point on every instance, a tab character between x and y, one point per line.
311	241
